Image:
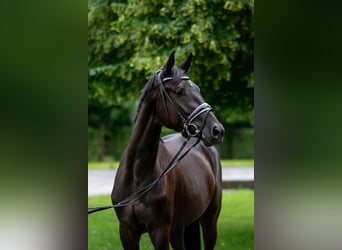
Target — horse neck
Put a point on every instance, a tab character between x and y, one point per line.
142	149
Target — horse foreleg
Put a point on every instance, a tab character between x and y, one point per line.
160	238
192	236
177	239
209	225
129	238
209	233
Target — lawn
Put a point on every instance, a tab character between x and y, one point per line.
224	163
235	225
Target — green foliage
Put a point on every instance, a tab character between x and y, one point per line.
243	143
93	144
129	40
235	224
119	141
238	144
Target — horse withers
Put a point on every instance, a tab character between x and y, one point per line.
189	195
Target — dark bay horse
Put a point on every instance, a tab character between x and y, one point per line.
189	195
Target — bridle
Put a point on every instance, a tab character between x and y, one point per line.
189	128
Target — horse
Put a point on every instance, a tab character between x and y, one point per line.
190	195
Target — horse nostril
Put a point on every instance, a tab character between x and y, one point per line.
216	132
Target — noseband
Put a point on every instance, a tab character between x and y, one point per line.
189	128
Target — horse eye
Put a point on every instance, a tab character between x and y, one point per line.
179	92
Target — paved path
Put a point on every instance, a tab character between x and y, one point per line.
100	181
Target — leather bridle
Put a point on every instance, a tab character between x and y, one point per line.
189	128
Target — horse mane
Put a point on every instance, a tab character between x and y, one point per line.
147	88
176	73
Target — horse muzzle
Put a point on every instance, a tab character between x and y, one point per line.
213	135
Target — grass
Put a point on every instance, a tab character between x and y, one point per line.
224	163
103	165
235	225
237	162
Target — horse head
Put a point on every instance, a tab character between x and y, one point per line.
180	106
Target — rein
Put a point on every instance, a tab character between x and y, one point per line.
189	130
139	194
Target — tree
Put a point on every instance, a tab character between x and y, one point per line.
129	40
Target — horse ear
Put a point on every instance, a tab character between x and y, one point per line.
186	64
170	62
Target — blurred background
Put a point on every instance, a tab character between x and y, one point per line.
51	50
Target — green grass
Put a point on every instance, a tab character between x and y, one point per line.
235	225
103	165
237	162
224	163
